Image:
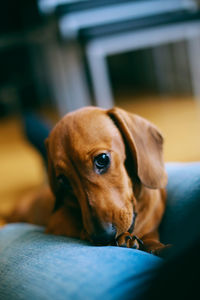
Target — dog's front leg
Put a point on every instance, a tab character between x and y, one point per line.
67	222
152	244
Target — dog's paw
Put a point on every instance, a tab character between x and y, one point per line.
128	241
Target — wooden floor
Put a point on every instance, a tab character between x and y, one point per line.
179	121
21	167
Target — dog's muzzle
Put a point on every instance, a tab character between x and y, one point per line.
103	234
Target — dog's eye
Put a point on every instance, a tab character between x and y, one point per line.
64	182
101	163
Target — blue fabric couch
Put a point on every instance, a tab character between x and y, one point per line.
34	265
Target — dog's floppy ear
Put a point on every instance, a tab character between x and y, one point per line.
145	144
51	171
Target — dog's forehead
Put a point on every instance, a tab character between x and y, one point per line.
85	130
89	127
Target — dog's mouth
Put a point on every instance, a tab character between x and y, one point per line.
103	234
106	234
98	232
133	222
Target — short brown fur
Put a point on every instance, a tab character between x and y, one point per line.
133	184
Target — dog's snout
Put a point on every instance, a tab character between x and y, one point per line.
104	235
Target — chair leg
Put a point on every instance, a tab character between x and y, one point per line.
193	47
100	78
67	77
163	68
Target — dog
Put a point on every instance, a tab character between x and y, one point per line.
107	180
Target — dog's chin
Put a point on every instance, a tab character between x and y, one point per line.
108	233
103	243
104	235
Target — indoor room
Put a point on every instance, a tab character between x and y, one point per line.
58	56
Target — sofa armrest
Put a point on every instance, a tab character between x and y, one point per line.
183	202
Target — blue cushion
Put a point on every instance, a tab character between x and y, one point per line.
183	203
34	265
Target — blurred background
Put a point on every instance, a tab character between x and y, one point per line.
60	55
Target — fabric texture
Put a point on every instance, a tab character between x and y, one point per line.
179	225
34	265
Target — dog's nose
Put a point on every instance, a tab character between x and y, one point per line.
104	235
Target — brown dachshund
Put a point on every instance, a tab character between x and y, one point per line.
107	175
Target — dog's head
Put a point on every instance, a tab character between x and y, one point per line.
98	159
